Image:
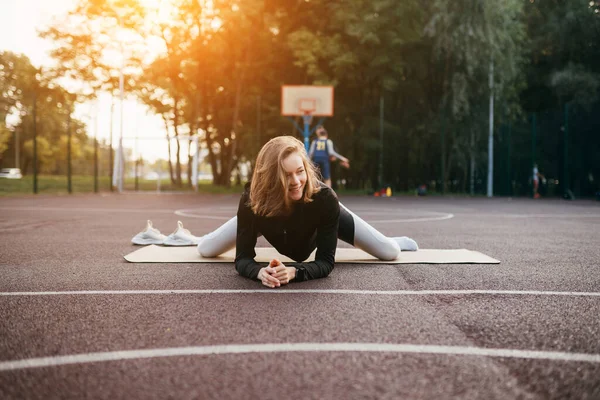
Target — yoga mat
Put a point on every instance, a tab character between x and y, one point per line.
189	254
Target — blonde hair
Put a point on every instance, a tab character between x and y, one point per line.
269	187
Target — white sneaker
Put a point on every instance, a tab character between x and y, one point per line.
406	243
150	235
181	237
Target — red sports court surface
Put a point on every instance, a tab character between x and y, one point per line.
78	321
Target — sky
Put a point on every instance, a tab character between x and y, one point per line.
19	22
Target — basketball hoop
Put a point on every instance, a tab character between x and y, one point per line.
306	101
302	100
307	105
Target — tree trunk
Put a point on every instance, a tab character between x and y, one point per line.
178	152
212	159
228	167
194	126
189	163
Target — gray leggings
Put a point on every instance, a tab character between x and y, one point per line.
351	229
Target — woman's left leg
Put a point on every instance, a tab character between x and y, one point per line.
357	232
220	240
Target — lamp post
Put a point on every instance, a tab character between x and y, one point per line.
490	180
96	148
35	161
121	85
380	142
17	161
69	164
110	148
119	159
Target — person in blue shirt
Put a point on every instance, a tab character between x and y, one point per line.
322	152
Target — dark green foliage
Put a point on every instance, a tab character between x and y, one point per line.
429	61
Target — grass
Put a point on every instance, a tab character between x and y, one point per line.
51	184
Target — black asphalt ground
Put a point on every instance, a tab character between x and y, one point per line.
530	331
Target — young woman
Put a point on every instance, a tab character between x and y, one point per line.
296	213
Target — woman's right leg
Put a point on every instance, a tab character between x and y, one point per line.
220	240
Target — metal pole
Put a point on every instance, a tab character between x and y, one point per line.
17	148
533	140
566	150
195	164
472	157
121	85
96	149
110	149
508	168
136	162
490	180
69	183
306	119
35	177
443	189
380	142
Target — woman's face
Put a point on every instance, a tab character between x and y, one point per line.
296	176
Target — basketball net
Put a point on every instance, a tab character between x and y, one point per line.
307	106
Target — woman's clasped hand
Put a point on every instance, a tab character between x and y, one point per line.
276	274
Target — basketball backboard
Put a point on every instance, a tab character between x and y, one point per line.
299	100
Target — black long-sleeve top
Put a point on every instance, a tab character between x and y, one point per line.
309	226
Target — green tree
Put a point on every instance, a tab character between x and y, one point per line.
468	37
22	85
564	74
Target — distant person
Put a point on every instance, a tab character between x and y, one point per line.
322	152
296	214
536	181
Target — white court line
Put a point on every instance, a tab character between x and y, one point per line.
440	218
295	347
119	210
191	213
104	210
312	291
553	216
